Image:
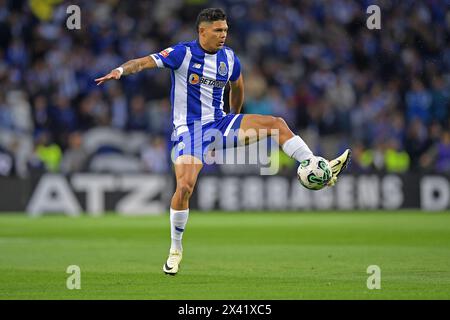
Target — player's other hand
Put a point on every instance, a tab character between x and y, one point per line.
115	74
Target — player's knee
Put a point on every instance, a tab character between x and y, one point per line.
276	123
280	123
268	122
185	188
282	129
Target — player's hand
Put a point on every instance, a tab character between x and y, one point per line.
113	75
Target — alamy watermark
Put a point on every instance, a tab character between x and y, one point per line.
374	280
74	280
374	20
73	21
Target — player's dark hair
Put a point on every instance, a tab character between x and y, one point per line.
210	15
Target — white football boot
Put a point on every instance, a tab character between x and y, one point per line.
338	165
173	262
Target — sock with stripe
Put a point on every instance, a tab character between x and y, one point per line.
178	220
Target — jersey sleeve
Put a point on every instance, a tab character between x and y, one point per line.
171	57
236	69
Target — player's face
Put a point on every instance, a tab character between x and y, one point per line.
214	34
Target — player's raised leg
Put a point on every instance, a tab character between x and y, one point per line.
293	145
255	126
187	169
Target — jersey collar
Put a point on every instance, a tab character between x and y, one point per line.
201	48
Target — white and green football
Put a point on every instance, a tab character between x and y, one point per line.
314	173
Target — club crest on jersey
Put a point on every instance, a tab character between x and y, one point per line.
194	78
223	70
165	53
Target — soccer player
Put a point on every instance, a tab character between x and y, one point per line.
200	69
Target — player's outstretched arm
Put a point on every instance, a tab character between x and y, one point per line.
237	95
128	67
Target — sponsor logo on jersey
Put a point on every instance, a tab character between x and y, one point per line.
197	66
223	70
213	83
165	53
194	78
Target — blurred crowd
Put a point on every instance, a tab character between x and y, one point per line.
385	93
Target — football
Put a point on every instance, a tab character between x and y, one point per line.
314	173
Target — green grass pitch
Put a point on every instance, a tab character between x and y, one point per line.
229	256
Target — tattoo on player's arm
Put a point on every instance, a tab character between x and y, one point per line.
131	66
137	65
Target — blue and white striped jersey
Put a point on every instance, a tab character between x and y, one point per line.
198	81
